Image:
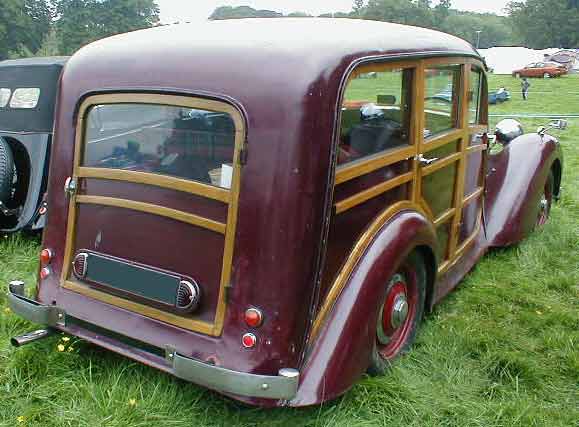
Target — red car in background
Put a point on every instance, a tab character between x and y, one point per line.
541	69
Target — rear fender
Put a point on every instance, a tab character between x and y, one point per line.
515	181
343	334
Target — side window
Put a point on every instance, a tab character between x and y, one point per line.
375	114
474	95
441	104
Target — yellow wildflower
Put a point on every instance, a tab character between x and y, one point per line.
7	310
60	347
70	349
21	419
66	339
132	402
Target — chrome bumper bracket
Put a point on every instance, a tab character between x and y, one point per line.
283	386
33	311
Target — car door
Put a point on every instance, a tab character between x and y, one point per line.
445	156
156	178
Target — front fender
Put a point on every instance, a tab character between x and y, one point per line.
515	181
339	348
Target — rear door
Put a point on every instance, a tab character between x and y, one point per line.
449	164
153	206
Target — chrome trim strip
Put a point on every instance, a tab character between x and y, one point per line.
283	386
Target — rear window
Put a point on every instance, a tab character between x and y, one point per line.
181	142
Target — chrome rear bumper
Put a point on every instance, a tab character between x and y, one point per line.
280	387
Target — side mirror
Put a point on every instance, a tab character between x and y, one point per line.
559	124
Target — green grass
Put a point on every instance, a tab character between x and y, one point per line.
502	350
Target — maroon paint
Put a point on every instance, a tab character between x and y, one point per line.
290	107
341	352
515	182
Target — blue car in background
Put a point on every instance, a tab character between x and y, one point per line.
496	97
499	96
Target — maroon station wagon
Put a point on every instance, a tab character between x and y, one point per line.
268	208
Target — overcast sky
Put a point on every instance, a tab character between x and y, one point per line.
195	10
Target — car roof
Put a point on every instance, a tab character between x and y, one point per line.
238	57
40	61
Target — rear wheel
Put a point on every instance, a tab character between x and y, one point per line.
6	171
546	200
400	313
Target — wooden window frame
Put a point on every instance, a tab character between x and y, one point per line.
228	197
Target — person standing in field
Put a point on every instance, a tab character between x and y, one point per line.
525	85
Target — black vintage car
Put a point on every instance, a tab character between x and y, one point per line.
28	90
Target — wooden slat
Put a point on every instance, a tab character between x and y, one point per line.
157	180
155	210
442	163
353	170
442	139
372	192
476	148
445	217
473	196
145	310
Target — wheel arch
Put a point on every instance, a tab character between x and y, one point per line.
430	259
343	334
514	183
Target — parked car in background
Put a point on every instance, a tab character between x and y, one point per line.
541	69
499	96
276	232
27	101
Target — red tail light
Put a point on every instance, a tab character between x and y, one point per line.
44	273
45	257
253	317
249	340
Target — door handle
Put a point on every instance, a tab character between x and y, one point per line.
426	161
70	187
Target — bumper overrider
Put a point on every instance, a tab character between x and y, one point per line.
281	387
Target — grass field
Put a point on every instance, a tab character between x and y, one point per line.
502	350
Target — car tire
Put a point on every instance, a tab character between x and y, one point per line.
392	341
6	171
546	200
546	75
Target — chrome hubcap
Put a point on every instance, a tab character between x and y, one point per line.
395	310
399	311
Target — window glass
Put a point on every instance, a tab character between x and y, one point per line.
4	96
441	99
181	142
25	97
375	114
474	96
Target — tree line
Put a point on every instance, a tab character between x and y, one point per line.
536	24
60	27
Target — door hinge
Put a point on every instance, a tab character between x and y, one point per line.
227	292
243	156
